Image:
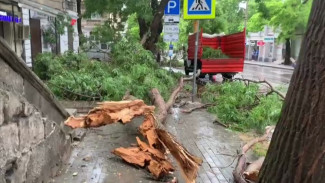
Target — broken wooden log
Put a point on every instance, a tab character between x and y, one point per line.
151	155
110	112
253	169
238	173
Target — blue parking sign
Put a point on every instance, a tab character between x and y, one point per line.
173	7
199	9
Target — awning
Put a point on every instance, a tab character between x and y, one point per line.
40	8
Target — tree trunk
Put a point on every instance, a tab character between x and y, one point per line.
287	56
156	28
79	19
297	149
143	26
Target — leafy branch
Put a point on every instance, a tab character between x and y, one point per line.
261	82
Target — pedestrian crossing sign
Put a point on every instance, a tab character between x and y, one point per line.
199	9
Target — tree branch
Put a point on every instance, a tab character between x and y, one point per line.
241	165
260	82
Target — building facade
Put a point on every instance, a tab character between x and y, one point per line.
263	46
34	27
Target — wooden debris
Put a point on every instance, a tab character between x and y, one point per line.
133	155
110	112
253	169
238	173
150	154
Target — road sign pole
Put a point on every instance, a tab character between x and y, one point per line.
170	61
194	90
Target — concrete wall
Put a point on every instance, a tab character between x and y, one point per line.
33	140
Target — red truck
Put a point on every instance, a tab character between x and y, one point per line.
232	45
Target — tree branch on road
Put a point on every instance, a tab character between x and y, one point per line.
261	82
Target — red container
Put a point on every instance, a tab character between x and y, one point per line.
232	45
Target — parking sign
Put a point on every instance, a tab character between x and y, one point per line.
173	7
199	9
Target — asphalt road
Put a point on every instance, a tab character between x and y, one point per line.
275	76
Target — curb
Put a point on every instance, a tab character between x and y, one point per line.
272	66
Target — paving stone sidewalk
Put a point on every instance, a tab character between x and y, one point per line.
93	162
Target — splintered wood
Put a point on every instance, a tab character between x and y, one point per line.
150	154
249	174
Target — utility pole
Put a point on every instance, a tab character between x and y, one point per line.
194	89
245	25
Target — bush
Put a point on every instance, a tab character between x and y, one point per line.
241	107
47	65
132	68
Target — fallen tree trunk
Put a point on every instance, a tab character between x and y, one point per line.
253	169
151	155
238	173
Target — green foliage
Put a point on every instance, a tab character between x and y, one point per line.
120	11
47	65
238	106
260	150
288	16
209	53
217	25
62	21
233	17
42	65
74	78
133	30
256	23
106	33
188	87
126	54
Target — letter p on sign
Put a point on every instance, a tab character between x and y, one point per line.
173	7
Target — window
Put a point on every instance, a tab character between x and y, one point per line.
70	5
103	46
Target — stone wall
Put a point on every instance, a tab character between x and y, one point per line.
33	140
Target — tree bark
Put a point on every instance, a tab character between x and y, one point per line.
287	56
297	149
143	26
156	28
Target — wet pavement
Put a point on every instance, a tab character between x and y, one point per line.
93	162
276	76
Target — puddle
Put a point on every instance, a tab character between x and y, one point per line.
176	114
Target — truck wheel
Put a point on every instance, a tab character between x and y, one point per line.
187	72
202	75
211	77
227	76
